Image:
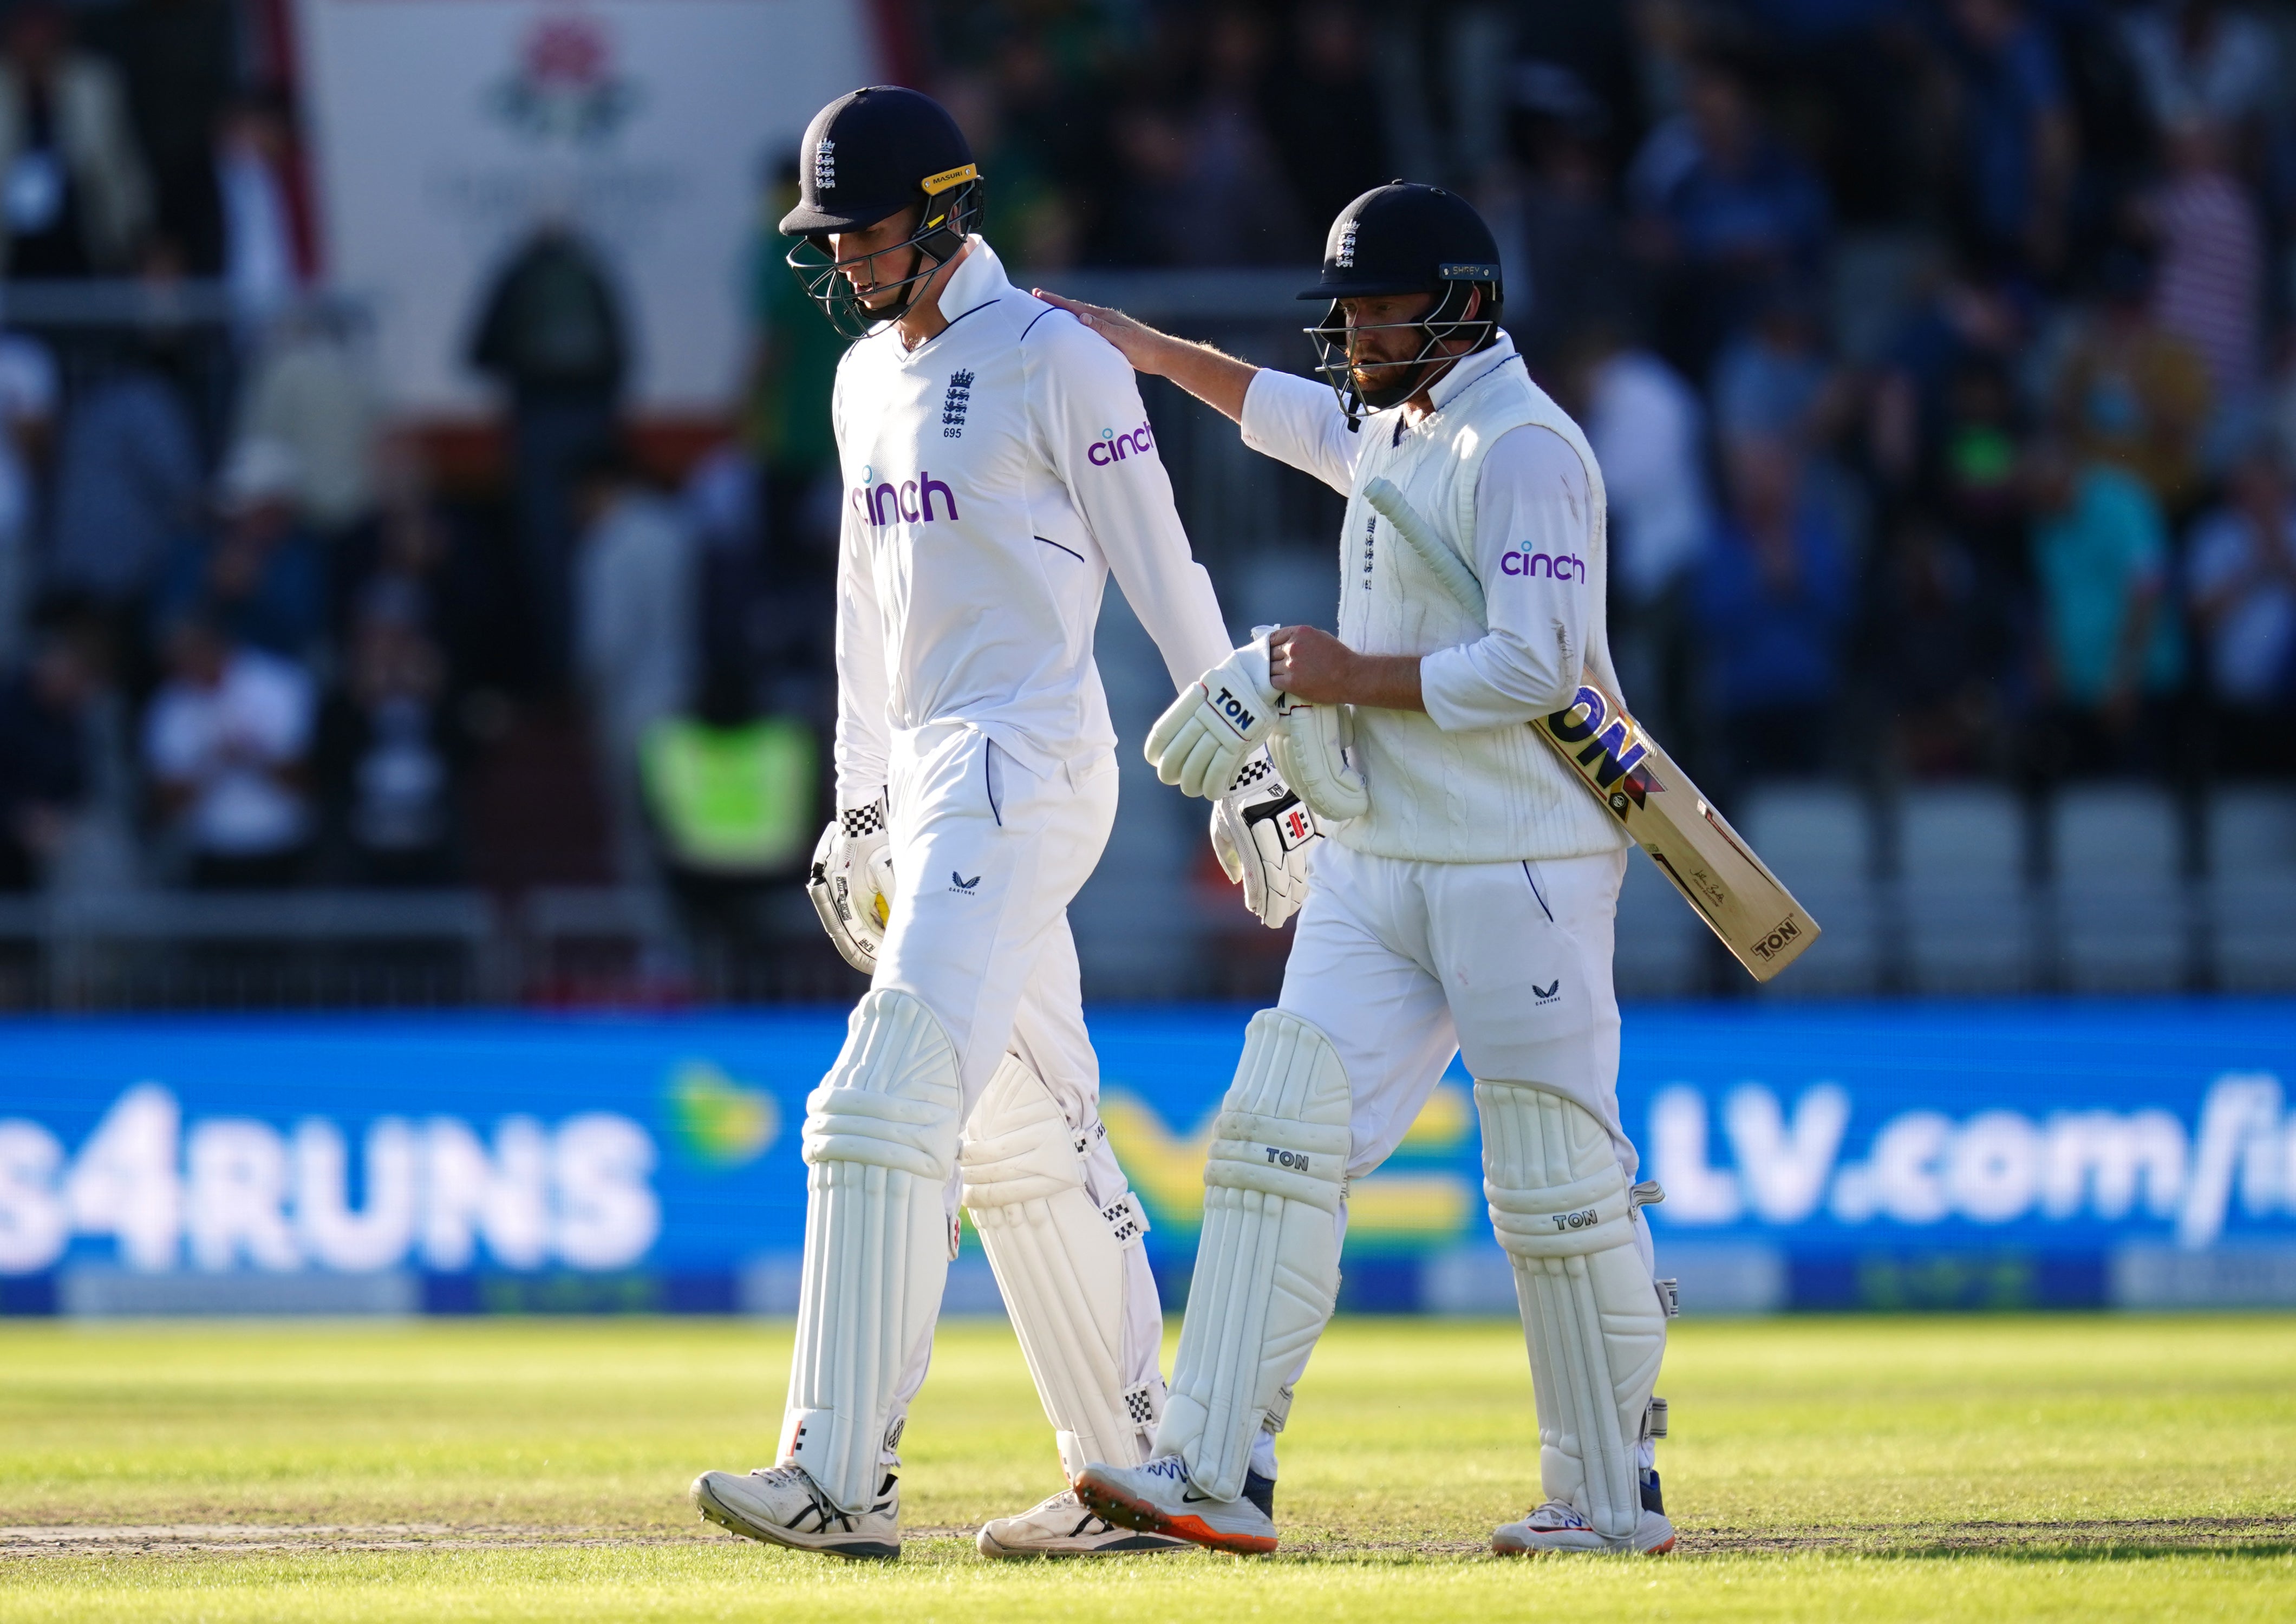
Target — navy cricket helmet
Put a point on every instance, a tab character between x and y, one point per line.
1397	239
864	157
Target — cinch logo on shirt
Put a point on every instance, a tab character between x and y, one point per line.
1559	566
1114	447
911	502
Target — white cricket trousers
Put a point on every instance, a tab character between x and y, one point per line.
1403	963
986	855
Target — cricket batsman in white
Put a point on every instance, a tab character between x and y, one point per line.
1466	903
998	465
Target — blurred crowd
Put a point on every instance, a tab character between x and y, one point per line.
1937	352
1940	355
248	639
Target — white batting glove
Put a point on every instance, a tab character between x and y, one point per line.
1310	747
851	883
1260	833
1201	740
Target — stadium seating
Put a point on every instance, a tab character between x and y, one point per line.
2120	918
2252	888
1962	894
1818	839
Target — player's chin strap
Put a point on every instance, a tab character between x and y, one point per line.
953	201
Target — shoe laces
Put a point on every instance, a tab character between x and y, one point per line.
788	1474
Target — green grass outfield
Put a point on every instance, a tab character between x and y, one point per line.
2081	1468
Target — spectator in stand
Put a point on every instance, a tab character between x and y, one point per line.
2201	61
1774	598
1969	326
1647	432
636	639
128	482
2132	394
1567	265
311	393
408	551
225	744
1324	110
233	218
259	578
1969	476
386	751
2019	146
551	332
1774	381
74	197
28	402
1724	212
2240	574
1028	208
181	61
45	770
2110	651
2207	287
1935	647
1212	190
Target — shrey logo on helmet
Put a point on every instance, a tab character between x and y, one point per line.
825	165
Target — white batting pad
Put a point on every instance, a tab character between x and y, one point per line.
1059	1261
1268	1263
881	1138
1593	1318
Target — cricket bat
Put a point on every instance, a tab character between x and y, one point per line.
1626	769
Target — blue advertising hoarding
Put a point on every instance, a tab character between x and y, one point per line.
1900	1155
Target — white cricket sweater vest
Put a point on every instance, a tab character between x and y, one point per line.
1485	795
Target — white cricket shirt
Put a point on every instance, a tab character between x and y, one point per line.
994	476
1503	474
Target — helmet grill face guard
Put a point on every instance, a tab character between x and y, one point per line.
1448	321
952	208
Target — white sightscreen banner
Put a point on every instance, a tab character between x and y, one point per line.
444	131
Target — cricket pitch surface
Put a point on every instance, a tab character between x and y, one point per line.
2078	1467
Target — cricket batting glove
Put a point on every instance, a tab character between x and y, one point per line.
1260	833
851	883
1203	740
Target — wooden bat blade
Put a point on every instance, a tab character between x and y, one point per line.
1717	873
1693	845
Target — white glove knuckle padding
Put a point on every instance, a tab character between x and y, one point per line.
1059	1261
1594	1327
1205	733
1310	745
881	1139
1267	1264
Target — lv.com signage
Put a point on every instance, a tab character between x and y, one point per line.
518	1161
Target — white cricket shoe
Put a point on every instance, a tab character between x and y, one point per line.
1064	1526
782	1505
1555	1527
1158	1498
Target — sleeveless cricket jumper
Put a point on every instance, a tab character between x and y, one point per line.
994	477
